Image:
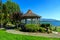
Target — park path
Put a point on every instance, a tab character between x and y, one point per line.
34	34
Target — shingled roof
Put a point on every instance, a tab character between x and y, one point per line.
30	14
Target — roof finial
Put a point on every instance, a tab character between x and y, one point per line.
29	11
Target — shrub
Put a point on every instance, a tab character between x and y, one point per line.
3	29
32	27
45	25
10	25
49	31
19	29
41	29
45	28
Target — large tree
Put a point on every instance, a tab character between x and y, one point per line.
12	7
8	9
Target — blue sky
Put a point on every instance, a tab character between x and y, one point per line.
49	9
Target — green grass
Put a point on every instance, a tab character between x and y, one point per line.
58	29
8	36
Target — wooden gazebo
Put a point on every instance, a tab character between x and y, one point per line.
31	15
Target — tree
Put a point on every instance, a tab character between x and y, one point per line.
1	15
16	18
9	7
6	10
12	7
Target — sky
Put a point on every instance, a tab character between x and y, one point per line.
49	9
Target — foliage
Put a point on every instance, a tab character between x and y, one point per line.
12	7
45	25
19	29
32	27
10	24
58	28
4	9
41	29
46	28
16	16
8	8
2	29
1	17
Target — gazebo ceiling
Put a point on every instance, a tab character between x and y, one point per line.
30	14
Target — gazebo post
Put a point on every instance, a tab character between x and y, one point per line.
31	20
36	20
39	21
25	21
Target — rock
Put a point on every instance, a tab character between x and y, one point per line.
54	32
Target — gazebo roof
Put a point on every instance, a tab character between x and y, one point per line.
30	14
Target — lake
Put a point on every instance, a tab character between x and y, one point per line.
54	23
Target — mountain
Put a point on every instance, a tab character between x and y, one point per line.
51	21
43	19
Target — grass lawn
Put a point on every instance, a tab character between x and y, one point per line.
8	36
58	29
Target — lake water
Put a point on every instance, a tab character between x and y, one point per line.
54	23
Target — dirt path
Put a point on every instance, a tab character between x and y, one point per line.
35	34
